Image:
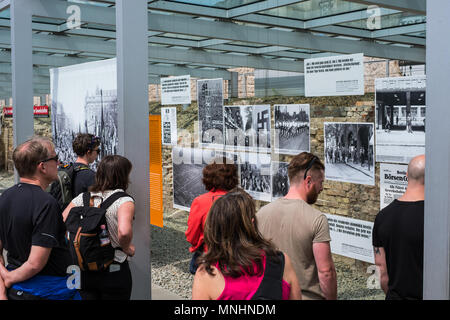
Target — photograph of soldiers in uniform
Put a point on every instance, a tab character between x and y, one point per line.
255	175
349	155
280	179
400	118
210	112
247	128
187	167
84	99
291	128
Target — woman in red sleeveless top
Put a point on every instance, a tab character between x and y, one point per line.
235	263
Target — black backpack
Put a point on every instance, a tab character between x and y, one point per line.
270	287
83	227
62	189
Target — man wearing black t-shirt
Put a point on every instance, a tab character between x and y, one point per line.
32	229
398	238
86	147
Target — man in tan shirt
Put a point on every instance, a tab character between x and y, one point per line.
301	231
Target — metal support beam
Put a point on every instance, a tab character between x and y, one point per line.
436	284
132	90
22	71
259	6
415	6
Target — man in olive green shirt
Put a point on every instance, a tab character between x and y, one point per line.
301	231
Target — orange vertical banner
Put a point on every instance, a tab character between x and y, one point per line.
156	184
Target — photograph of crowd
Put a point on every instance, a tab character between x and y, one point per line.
210	112
349	152
280	179
255	175
400	118
247	127
188	164
291	128
84	99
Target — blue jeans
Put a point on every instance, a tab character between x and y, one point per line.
193	265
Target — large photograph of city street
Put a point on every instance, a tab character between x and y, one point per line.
400	115
247	128
349	152
291	128
84	99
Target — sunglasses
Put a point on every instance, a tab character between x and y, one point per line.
310	164
49	159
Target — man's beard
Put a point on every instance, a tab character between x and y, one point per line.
311	196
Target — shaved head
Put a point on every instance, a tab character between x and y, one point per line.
416	169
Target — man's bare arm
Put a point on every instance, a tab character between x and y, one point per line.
380	262
36	262
326	270
2	285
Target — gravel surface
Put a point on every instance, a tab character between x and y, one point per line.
171	257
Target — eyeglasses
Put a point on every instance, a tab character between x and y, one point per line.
310	164
49	159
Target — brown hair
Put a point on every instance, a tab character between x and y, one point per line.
27	156
299	164
84	142
220	174
232	236
112	173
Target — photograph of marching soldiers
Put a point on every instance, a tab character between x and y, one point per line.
349	155
247	127
78	107
280	179
400	118
210	111
291	128
188	164
255	175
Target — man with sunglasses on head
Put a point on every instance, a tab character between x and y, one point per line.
32	229
302	231
87	148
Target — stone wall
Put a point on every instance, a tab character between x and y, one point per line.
42	127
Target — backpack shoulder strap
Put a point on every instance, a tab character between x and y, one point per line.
86	198
110	200
270	287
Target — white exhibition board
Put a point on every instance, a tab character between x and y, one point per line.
335	76
393	182
351	237
169	126
176	90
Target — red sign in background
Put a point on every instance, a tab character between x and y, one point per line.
38	111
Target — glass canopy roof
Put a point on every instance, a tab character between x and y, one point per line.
266	34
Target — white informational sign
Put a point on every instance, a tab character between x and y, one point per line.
393	182
169	126
176	90
400	118
334	76
351	237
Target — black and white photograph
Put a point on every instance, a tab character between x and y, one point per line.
84	99
210	112
188	164
349	155
255	175
247	128
280	179
292	125
400	118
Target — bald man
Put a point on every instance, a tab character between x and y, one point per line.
397	238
